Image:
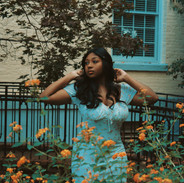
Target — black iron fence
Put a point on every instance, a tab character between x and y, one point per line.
13	107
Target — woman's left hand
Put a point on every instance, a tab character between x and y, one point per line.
120	75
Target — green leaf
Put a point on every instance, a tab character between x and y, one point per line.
29	146
38	144
17	144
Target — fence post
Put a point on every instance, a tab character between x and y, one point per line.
5	120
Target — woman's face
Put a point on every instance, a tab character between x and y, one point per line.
93	66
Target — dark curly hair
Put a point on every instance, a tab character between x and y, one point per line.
87	88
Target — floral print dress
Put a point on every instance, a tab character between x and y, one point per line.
108	121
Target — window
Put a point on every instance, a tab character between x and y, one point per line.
145	22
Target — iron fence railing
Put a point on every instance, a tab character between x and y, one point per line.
13	107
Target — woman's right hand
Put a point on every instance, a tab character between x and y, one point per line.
76	74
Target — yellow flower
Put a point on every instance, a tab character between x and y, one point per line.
66	153
17	128
108	143
41	132
142	136
182	125
172	143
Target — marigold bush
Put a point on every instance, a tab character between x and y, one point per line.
164	163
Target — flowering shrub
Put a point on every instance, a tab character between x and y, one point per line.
165	164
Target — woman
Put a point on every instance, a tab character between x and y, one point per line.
102	102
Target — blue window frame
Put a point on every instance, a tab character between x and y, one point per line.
145	22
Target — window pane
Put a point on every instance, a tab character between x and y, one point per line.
140	33
139	52
150	21
151	5
150	35
150	52
139	20
128	21
140	5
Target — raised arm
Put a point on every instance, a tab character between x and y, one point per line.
122	76
55	93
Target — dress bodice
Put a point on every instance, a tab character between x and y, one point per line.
106	120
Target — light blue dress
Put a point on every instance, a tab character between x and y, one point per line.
108	122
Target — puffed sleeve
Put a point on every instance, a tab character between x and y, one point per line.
127	93
72	92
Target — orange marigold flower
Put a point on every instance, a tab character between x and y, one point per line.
14	178
172	143
153	171
167	156
136	178
166	181
17	128
82	124
2	176
39	178
159	179
182	111
179	105
144	122
22	160
80	157
66	153
129	170
44	181
163	121
28	177
182	125
161	169
149	166
10	155
115	156
144	177
131	140
10	134
109	143
73	180
96	175
143	131
75	139
84	181
19	173
13	123
9	170
142	136
32	82
132	164
67	182
32	181
140	128
149	127
122	154
41	132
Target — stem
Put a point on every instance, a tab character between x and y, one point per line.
147	111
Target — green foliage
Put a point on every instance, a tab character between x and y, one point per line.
178	5
176	69
53	34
